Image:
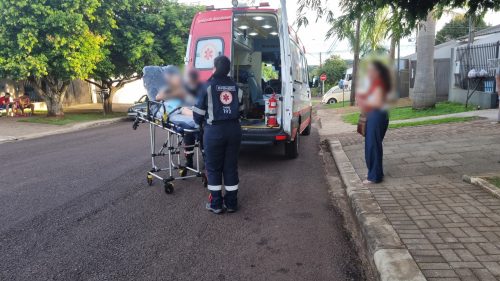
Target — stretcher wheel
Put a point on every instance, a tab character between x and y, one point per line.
150	180
204	180
169	188
183	172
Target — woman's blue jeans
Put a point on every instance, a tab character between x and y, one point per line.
377	122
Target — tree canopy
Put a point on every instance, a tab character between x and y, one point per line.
52	42
335	68
456	28
144	32
49	43
406	13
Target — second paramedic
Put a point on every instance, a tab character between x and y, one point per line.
218	109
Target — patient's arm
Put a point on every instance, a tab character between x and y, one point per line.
187	111
162	95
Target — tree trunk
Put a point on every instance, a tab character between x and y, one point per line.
20	87
356	61
108	101
424	91
54	103
392	50
52	91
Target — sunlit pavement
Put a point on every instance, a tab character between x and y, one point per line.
77	207
449	227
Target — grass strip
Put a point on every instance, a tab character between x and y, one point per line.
70	118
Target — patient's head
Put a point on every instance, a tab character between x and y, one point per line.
174	80
173	76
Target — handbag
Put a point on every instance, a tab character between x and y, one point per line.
362	124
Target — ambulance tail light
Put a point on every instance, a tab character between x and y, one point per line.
281	137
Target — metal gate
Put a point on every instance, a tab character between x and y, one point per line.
442	70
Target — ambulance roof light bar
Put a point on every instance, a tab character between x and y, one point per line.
264	4
209	8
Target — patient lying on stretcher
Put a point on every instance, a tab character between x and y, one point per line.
178	102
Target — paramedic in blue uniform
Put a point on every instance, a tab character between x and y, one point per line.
218	110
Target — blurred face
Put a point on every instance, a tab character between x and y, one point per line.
174	80
372	73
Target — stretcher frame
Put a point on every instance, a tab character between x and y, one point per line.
172	147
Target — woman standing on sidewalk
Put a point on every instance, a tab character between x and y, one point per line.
373	105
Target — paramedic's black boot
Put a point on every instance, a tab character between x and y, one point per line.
231	201
214	204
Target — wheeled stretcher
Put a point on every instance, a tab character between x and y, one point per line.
172	147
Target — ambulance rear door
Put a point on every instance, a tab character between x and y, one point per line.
210	37
286	70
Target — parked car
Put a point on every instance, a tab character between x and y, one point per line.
335	95
140	104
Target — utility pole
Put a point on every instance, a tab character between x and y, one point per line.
356	61
320	60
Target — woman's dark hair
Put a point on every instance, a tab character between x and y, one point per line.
222	66
385	75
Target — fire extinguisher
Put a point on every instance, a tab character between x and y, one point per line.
272	112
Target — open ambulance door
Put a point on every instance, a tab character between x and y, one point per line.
286	71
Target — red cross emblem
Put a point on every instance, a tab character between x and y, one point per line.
209	53
226	98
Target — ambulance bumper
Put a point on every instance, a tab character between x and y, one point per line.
263	136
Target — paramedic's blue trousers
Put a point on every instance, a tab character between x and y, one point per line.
222	145
377	122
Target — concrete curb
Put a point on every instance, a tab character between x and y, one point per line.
392	260
72	128
484	184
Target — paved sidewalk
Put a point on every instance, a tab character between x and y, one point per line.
450	228
11	130
490	114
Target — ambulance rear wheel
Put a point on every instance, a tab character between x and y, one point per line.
292	147
169	188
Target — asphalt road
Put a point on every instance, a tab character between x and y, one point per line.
76	207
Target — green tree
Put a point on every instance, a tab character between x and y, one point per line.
144	32
364	27
374	30
406	13
335	68
456	28
49	43
404	18
268	72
